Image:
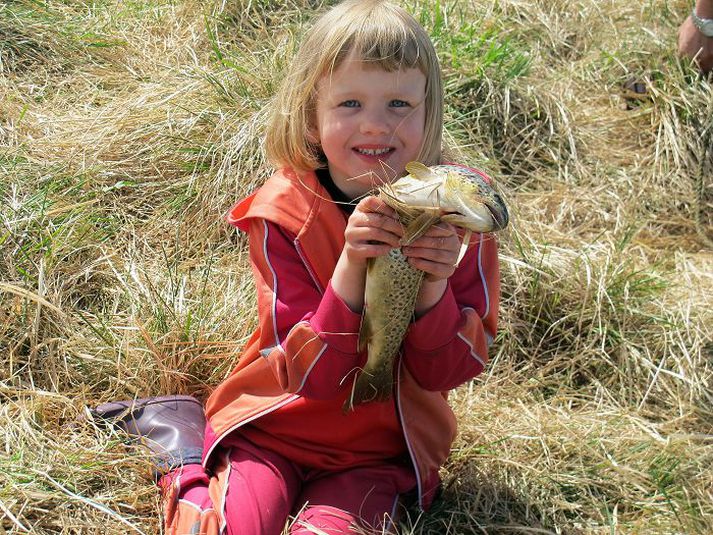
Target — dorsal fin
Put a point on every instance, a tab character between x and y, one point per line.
419	171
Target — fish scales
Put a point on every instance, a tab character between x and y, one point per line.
392	286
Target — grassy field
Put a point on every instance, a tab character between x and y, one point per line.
127	130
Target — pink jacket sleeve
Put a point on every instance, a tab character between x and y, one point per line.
309	337
449	344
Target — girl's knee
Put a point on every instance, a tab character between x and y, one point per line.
184	491
329	520
323	519
189	518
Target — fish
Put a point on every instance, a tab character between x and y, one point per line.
424	197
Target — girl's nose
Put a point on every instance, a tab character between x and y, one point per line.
374	123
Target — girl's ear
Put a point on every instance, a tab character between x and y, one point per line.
312	135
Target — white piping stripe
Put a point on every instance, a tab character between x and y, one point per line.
472	352
309	370
298	247
274	286
195	506
489	338
303	322
406	439
247	421
391	523
482	277
223	498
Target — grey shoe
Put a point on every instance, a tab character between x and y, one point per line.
172	427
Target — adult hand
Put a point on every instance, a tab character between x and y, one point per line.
693	44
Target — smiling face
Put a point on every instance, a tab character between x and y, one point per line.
369	123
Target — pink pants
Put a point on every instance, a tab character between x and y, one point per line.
255	491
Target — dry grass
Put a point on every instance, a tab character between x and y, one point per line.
127	129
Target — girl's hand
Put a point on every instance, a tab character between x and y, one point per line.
372	230
436	252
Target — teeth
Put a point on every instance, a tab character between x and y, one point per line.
373	152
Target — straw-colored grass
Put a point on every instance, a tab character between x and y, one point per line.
127	129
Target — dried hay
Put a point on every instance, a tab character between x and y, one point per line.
127	130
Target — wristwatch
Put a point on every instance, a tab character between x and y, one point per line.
705	26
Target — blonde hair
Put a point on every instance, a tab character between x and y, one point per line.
375	31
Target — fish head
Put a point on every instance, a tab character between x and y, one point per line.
462	196
469	201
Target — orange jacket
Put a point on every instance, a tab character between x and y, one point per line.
438	355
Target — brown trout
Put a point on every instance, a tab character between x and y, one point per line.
422	198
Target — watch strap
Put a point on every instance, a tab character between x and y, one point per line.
705	26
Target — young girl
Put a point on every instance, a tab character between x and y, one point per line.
363	98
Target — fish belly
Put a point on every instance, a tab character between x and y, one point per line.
392	287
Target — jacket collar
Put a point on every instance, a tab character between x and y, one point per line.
302	206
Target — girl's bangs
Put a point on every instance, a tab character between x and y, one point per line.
391	56
390	49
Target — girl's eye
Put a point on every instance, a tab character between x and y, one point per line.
350	104
396	103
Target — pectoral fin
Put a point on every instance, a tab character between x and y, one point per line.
419	226
464	246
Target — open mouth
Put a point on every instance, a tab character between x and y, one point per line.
497	214
373	152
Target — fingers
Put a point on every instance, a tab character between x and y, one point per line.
374	209
374	220
439	238
440	267
694	45
373	229
436	252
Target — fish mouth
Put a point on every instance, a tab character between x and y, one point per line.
498	209
488	215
